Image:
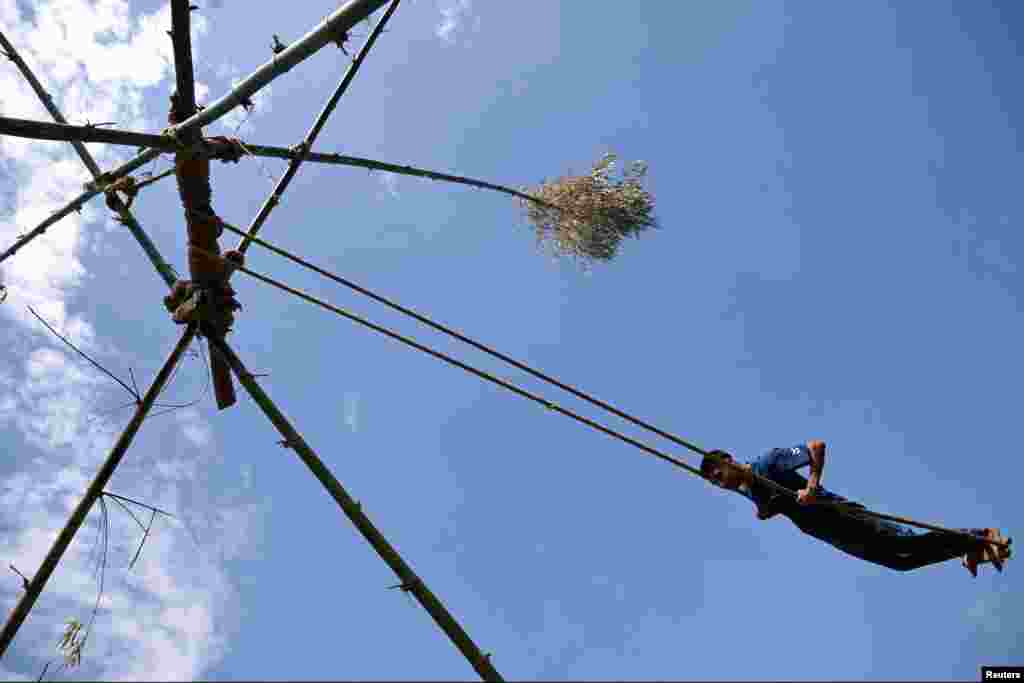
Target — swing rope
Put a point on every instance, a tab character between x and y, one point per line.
841	508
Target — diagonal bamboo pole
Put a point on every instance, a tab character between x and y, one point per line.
126	217
47	101
337	23
353	510
95	490
307	143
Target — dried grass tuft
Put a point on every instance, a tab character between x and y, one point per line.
586	217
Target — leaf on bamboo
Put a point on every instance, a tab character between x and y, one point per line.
586	217
72	642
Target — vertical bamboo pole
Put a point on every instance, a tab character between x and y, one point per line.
95	490
181	39
353	510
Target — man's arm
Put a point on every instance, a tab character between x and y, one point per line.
817	451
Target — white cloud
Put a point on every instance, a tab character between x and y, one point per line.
194	428
202	92
454	16
172	616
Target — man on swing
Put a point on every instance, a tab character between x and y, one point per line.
835	520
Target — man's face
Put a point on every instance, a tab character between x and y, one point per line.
726	475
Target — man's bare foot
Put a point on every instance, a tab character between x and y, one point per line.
995	554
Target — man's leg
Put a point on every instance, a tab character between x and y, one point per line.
901	548
885	543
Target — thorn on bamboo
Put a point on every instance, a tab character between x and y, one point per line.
339	38
407	586
193	8
24	579
288	443
277	46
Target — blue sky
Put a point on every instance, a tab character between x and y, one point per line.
838	260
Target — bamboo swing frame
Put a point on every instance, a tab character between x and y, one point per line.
185	139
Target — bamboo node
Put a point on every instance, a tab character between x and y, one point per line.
288	443
339	38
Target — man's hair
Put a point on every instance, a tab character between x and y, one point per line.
711	460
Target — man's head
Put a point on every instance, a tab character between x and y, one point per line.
719	468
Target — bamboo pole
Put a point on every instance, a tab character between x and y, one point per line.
72	206
65	132
38	130
95	490
353	510
307	142
181	40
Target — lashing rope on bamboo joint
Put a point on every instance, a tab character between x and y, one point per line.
841	508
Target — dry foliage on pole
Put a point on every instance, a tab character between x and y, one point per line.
586	217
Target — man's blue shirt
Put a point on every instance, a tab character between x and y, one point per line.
851	535
780	465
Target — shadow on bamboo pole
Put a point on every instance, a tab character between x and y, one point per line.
95	490
410	582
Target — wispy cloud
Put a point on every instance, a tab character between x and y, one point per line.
352	410
455	14
389	181
171	617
